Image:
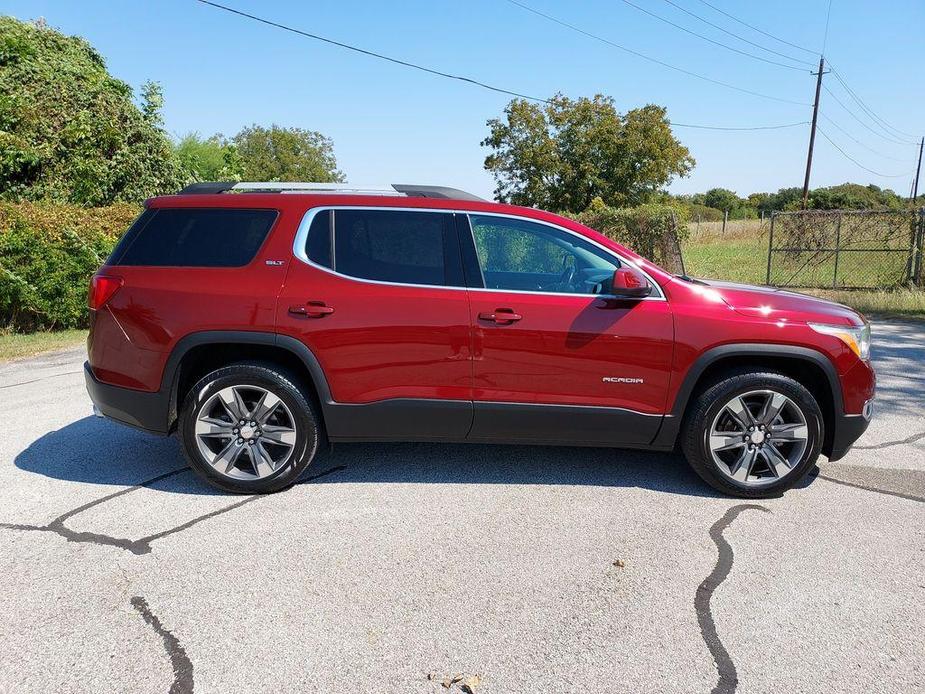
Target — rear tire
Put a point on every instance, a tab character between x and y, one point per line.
248	429
753	435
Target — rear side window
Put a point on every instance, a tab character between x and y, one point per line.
194	237
318	245
392	246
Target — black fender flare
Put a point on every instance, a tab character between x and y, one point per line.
170	378
672	423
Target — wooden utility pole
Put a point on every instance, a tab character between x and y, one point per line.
918	170
812	132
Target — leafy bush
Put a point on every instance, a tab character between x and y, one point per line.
71	132
700	213
47	254
653	230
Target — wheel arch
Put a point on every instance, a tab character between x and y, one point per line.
808	366
196	354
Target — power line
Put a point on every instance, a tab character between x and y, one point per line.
372	54
855	161
895	131
825	37
754	28
709	40
650	58
857	141
865	125
757	127
869	111
487	86
736	36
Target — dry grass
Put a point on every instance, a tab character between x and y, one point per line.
908	303
740	255
13	345
737	229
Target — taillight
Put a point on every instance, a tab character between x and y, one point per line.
102	289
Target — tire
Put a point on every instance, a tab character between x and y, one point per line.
766	460
279	439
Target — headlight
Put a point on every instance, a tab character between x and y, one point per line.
858	339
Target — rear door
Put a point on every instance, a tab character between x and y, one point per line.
553	359
378	296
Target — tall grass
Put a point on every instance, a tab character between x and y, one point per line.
741	254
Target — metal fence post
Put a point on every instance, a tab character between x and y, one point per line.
767	279
917	276
837	249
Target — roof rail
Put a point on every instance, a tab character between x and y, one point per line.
395	189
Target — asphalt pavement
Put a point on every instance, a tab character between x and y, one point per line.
447	568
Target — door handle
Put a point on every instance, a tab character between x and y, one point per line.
501	316
312	309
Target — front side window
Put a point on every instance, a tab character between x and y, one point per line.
194	237
519	255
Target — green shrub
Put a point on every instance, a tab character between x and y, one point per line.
48	253
654	230
702	213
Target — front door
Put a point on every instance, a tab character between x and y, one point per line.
553	360
377	295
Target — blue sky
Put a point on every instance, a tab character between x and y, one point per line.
392	124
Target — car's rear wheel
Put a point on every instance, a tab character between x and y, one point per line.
753	434
248	428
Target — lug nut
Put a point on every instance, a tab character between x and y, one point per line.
240	441
234	431
251	442
253	424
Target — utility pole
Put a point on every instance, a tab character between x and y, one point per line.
812	132
915	186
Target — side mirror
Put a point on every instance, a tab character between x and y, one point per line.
629	283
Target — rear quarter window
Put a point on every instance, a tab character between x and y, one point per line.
194	237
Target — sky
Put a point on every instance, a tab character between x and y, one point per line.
393	124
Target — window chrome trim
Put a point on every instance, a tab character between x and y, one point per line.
301	237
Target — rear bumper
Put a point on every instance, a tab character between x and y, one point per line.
147	411
848	429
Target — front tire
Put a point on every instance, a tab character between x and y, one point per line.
753	435
248	429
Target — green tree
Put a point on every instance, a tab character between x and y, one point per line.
722	199
563	154
209	159
71	132
286	154
853	196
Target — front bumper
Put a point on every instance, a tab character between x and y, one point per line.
139	409
848	429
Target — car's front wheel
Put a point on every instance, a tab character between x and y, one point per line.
753	434
248	428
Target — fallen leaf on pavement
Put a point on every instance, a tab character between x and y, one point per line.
470	683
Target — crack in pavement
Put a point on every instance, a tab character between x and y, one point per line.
887	444
182	667
876	490
36	380
142	545
728	678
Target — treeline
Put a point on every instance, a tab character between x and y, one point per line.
711	205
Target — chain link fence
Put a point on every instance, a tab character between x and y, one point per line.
839	249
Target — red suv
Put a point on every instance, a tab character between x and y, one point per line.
263	321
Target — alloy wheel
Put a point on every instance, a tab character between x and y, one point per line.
758	437
245	432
